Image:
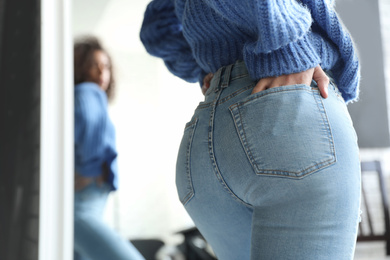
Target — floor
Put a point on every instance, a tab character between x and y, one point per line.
371	251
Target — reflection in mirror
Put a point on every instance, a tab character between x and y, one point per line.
149	119
96	169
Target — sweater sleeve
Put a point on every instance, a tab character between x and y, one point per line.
347	71
281	40
161	34
90	126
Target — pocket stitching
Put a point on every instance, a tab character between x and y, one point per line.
276	90
243	135
236	93
306	171
190	193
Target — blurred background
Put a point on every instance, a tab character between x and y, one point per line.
150	109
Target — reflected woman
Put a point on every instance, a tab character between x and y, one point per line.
95	156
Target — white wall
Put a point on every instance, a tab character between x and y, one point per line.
150	110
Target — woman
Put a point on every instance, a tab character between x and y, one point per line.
268	166
95	156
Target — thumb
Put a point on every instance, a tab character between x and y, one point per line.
322	80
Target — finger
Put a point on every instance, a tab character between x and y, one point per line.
206	82
205	88
99	180
322	80
257	89
209	76
263	84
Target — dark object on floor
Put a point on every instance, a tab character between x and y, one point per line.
195	247
148	247
370	234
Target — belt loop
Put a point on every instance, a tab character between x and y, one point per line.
217	75
226	76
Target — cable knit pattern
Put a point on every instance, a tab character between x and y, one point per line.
273	37
94	133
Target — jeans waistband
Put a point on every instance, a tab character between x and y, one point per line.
228	73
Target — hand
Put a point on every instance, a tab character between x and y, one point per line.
304	77
206	82
81	182
102	178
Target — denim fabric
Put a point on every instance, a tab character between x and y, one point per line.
94	239
273	175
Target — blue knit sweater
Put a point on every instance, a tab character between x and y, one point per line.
273	37
94	133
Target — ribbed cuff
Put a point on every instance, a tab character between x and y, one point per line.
347	79
295	57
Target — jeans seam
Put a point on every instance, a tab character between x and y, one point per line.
204	105
326	122
234	94
239	76
213	160
225	99
277	90
191	191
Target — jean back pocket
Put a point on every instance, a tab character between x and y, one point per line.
285	131
183	171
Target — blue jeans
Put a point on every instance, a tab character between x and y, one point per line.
94	239
273	175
